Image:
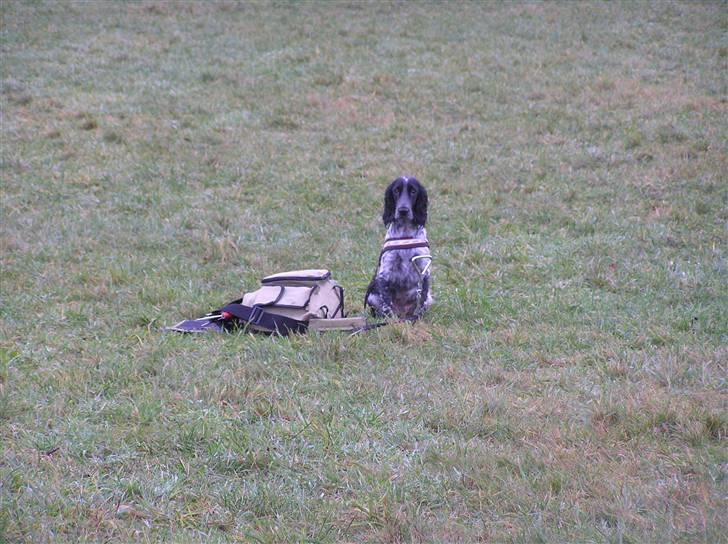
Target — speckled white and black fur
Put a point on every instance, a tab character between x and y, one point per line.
394	289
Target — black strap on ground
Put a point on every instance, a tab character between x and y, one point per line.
255	315
369	327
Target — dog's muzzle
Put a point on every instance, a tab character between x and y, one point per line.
404	213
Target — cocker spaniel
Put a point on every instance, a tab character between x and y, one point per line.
401	285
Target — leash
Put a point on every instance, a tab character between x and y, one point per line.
368	327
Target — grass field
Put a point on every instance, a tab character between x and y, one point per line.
568	385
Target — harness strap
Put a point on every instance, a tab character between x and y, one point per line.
255	315
403	243
427	266
391	244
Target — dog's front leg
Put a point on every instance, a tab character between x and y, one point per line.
379	299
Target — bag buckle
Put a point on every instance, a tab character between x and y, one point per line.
256	315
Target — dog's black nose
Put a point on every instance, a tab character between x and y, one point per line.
403	211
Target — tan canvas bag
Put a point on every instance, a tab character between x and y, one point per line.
295	301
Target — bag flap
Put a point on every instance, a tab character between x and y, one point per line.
297	276
264	296
295	297
278	296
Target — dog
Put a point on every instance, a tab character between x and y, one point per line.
401	284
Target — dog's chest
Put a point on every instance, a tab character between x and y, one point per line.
398	269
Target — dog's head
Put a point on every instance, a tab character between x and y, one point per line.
405	201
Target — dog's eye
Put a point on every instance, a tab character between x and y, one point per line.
412	191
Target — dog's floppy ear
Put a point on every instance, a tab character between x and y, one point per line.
419	210
388	215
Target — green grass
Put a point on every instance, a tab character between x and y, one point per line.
568	385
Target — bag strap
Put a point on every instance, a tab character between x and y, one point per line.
255	315
337	324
